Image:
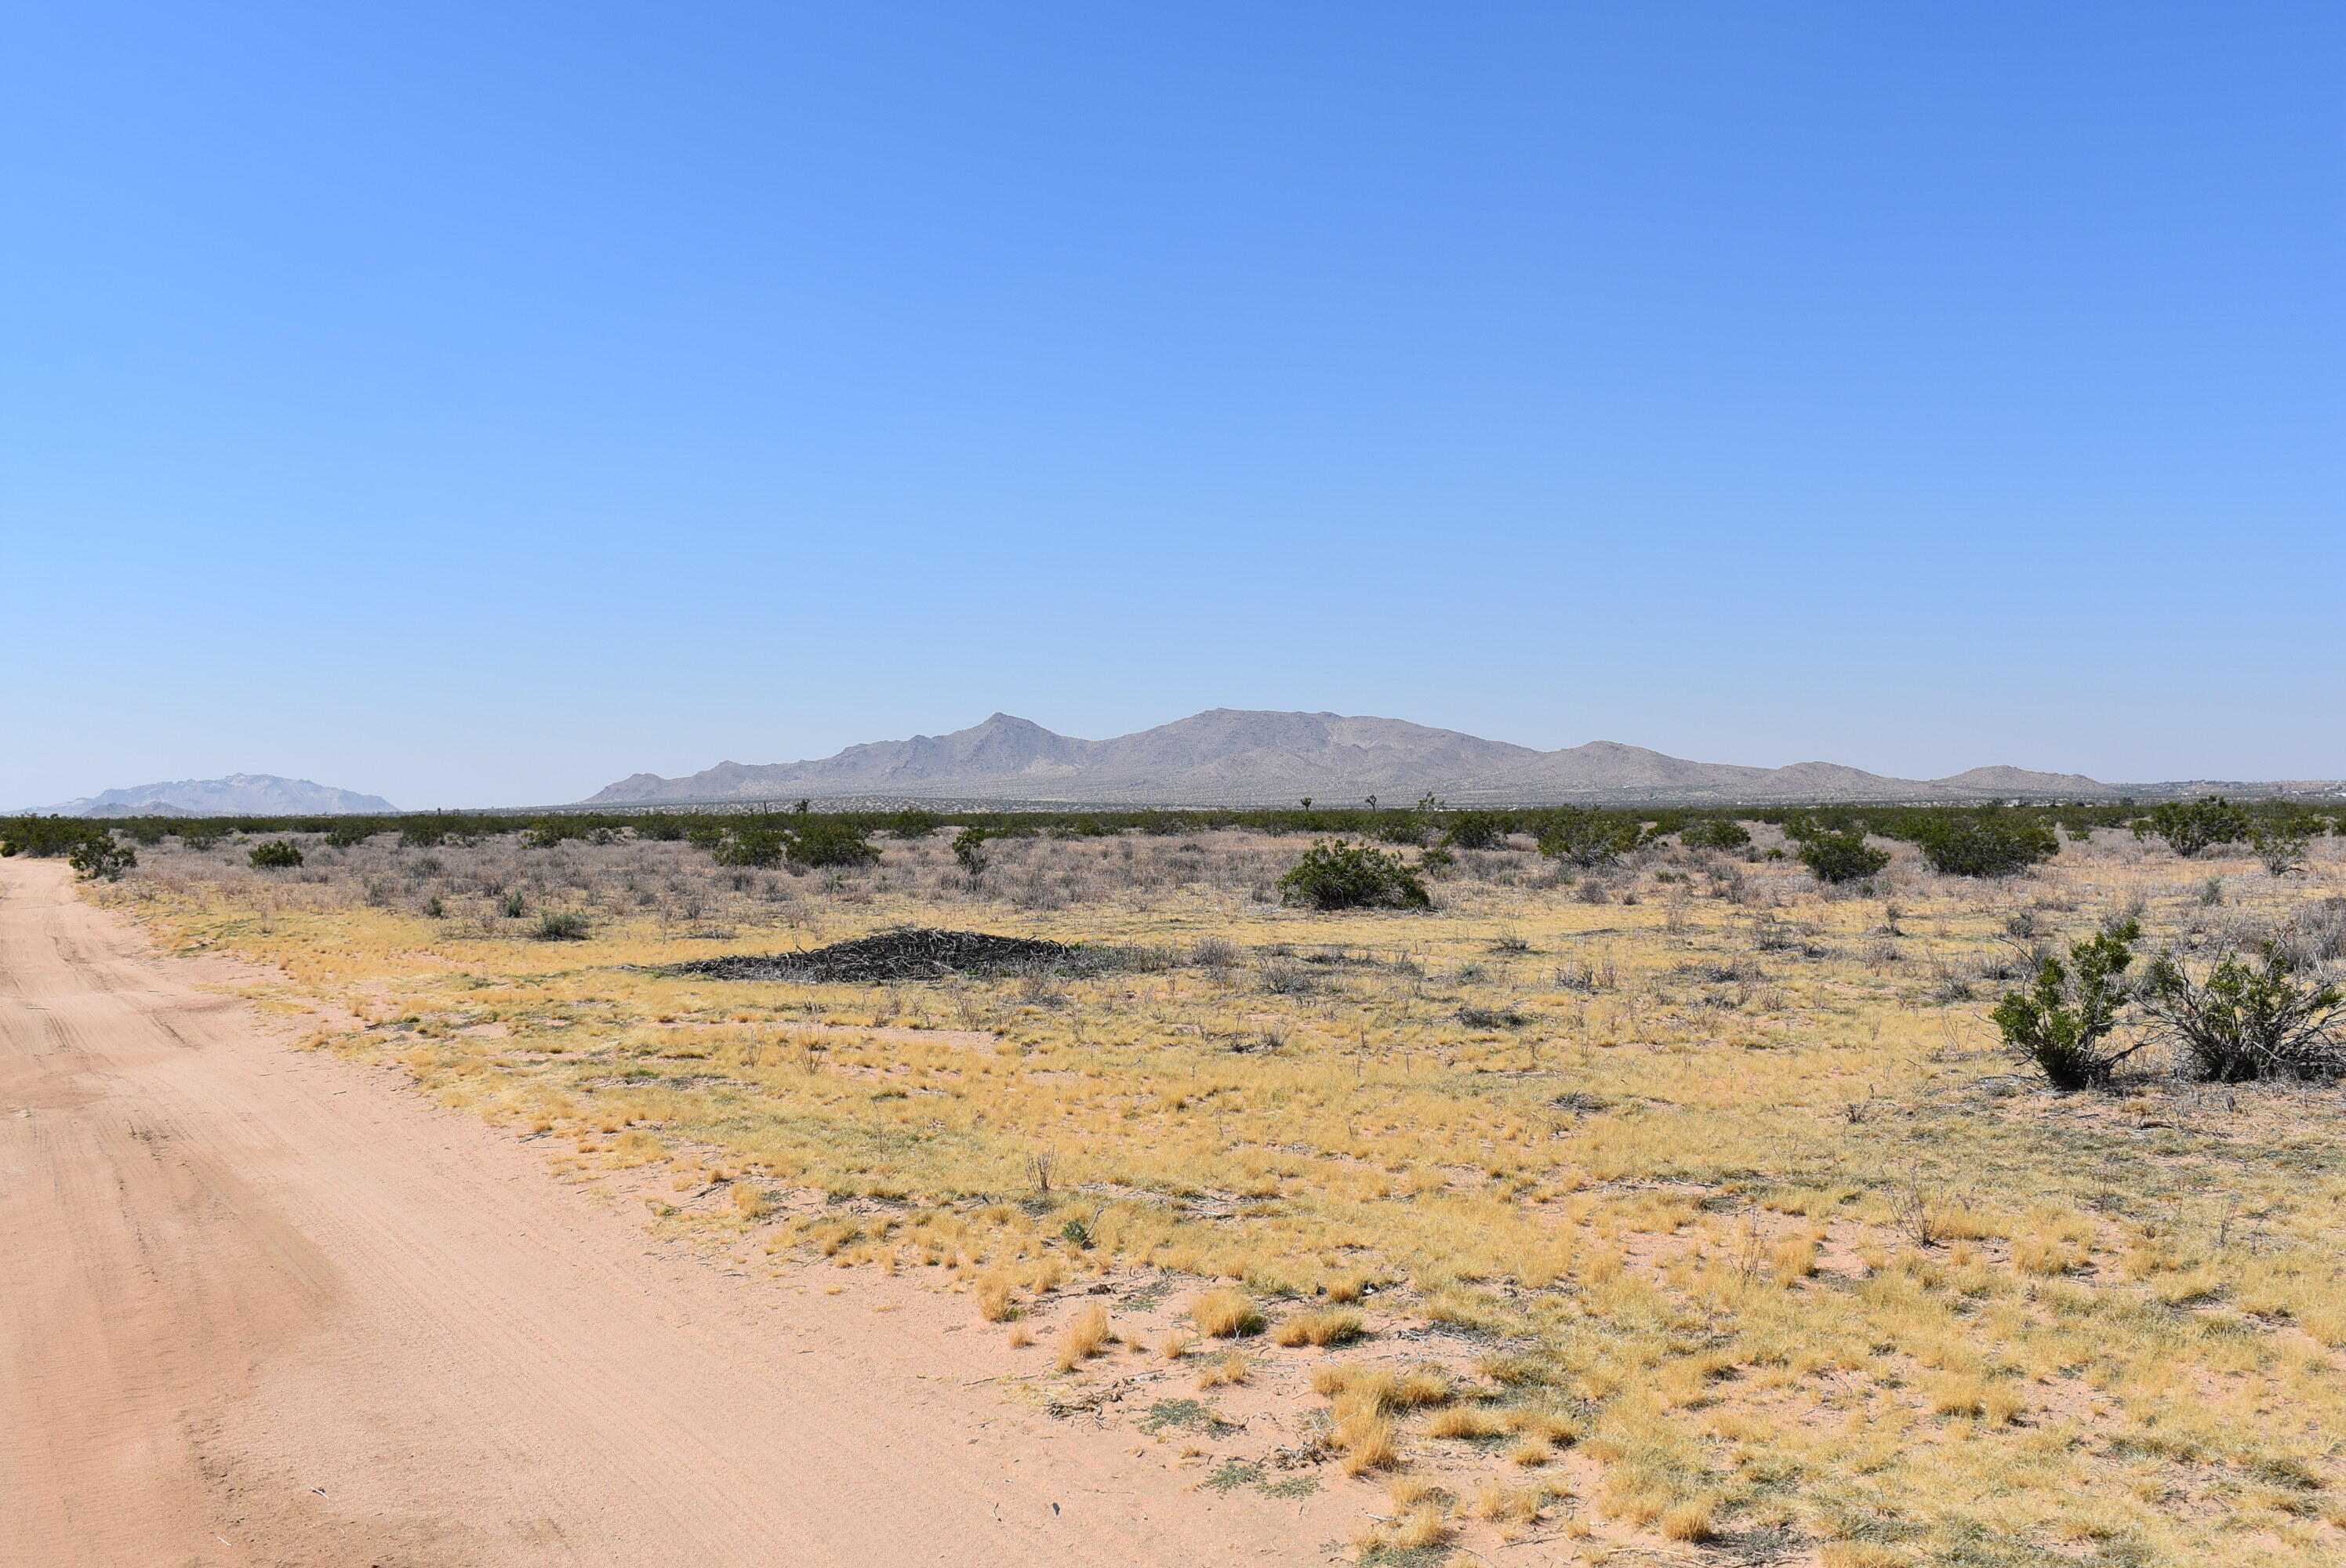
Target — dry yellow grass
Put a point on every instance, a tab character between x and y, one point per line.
995	1298
1686	1185
1085	1337
1320	1328
1225	1314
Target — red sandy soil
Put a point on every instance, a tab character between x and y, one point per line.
259	1306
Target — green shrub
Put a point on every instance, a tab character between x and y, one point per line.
2191	828
1477	831
99	857
752	847
201	835
342	835
704	833
2063	1021
548	832
276	854
826	841
1991	844
1716	833
144	831
561	927
1841	856
1585	837
512	905
969	849
914	824
425	832
2248	1020
2280	842
1336	875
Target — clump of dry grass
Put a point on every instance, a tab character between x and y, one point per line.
1322	1328
996	1298
1086	1337
1464	1421
1226	1315
1229	1368
1690	1521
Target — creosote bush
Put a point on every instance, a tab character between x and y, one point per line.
1716	833
2063	1020
1477	831
1336	875
2191	828
1586	838
826	841
275	854
2248	1019
1841	857
100	858
1991	844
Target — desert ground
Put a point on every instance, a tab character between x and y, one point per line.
409	1206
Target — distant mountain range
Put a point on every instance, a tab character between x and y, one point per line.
237	795
1230	756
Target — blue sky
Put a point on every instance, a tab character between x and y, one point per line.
476	403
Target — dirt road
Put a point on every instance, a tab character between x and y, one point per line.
259	1306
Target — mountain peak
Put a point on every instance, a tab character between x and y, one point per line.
1234	756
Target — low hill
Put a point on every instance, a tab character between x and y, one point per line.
237	795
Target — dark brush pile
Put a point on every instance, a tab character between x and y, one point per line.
905	953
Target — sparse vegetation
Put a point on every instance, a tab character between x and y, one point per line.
1748	1230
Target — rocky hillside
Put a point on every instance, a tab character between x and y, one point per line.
1233	757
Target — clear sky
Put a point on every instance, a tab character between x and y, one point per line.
474	403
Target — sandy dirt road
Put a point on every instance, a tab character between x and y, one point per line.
259	1306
